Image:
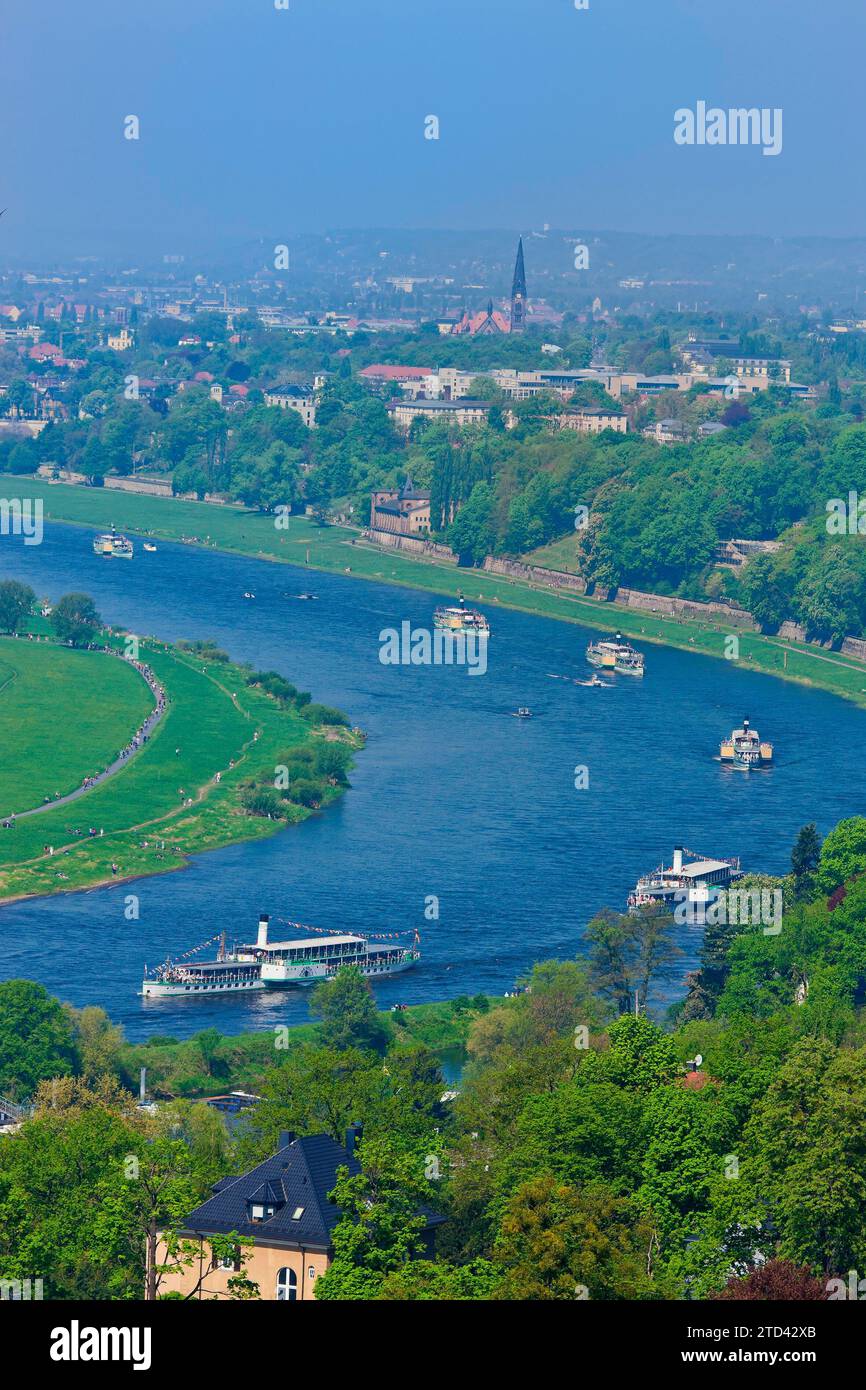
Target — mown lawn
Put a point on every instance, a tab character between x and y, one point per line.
213	720
64	715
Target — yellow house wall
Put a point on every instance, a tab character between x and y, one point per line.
262	1264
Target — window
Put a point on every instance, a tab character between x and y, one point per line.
297	1213
287	1286
311	1272
259	1212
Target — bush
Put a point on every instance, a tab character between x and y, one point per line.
332	760
323	714
207	650
262	801
305	792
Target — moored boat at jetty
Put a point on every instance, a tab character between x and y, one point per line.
745	748
267	964
112	544
693	881
461	620
618	656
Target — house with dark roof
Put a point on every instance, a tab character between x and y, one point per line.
293	397
282	1206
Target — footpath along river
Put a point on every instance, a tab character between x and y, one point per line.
452	797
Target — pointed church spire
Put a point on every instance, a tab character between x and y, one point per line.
518	293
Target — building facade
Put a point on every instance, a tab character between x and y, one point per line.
461	412
402	511
291	397
282	1212
590	421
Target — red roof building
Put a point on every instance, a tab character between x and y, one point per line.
44	352
483	324
383	371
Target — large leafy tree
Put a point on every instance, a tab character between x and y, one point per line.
382	1222
348	1012
471	533
805	857
89	1185
774	1281
318	1090
36	1039
75	619
627	953
843	854
558	1242
16	604
801	1180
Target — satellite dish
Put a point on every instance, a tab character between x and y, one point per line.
698	1059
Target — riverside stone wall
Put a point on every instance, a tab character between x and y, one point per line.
413	545
684	608
535	574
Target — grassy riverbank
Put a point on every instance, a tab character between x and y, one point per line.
180	794
340	550
183	1069
99	701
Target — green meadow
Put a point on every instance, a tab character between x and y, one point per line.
64	715
214	724
341	550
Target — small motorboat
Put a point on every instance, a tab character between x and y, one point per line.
248	594
149	548
595	681
523	713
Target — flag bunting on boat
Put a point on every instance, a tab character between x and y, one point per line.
329	931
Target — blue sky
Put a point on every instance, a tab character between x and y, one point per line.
256	121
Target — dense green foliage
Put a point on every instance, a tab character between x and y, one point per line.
582	1157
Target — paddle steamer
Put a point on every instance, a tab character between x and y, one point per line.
618	656
113	545
278	964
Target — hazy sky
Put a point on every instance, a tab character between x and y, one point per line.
263	121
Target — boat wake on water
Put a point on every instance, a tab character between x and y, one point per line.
594	682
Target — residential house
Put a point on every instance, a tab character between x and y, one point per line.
666	432
292	397
283	1206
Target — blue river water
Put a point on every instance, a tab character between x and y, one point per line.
452	796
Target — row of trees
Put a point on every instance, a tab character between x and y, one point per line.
73	618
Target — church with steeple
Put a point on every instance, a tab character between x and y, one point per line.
518	293
484	324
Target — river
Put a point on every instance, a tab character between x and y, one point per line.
452	797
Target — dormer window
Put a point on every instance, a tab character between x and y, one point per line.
264	1202
260	1212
